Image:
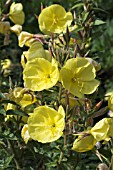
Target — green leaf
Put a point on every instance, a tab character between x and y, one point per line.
7	161
77	5
99	22
16	112
2	96
85	15
9	101
2	111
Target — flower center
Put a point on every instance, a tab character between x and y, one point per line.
74	79
48	76
55	19
53	125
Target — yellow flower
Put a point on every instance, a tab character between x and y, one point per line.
16	29
16	13
24	38
25	134
84	143
46	124
40	74
36	50
100	130
23	97
54	19
110	132
27	99
4	27
78	77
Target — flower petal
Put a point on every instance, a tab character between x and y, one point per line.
45	124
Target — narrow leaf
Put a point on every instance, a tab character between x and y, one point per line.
16	112
99	22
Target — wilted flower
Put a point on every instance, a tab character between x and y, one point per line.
16	13
46	124
16	29
54	19
4	27
78	77
25	134
23	97
84	143
40	74
6	64
24	38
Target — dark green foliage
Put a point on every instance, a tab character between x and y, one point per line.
97	22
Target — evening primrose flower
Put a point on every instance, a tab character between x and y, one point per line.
78	77
46	124
16	13
84	143
4	27
40	74
54	19
101	129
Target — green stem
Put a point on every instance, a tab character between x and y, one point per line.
18	167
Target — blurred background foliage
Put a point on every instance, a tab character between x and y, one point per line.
33	157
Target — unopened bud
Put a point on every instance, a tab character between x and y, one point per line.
102	166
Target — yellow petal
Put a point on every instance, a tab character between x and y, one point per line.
52	21
16	13
110	102
24	37
66	77
36	50
110	122
100	130
25	134
16	29
90	86
77	76
84	143
61	111
46	124
18	18
40	74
